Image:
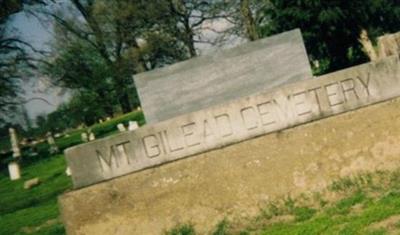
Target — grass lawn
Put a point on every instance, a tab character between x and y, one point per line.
35	211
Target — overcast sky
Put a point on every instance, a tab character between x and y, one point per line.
39	35
32	31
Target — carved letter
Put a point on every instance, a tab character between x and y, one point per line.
123	153
207	129
348	86
106	161
301	106
170	147
249	117
334	97
224	123
365	83
264	109
189	135
151	146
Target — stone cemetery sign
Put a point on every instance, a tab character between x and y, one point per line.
235	121
223	76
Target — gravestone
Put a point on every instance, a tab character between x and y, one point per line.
53	146
14	170
91	136
121	127
226	75
133	125
14	143
13	166
231	173
235	121
84	137
68	171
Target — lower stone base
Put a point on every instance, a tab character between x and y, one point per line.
236	181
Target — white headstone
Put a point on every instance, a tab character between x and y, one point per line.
84	137
14	170
121	127
52	143
14	143
92	136
68	171
133	125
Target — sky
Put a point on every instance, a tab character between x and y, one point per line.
31	30
39	34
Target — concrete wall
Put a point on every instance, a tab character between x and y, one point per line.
236	121
220	77
237	180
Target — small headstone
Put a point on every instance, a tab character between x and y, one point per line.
108	118
31	183
68	171
100	120
91	136
52	143
133	125
84	137
14	143
14	170
121	127
58	135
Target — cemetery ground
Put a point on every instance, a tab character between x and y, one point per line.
363	204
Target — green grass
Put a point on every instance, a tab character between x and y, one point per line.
24	210
35	211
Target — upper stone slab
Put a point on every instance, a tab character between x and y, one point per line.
220	77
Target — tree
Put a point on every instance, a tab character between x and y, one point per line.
332	29
124	37
80	69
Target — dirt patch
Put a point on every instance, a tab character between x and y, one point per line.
391	225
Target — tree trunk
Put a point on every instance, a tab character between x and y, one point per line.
125	102
248	20
368	48
106	105
189	38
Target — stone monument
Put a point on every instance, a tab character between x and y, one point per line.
202	161
228	160
13	166
220	77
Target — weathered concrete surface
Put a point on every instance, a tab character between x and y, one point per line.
220	77
233	122
389	45
238	180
